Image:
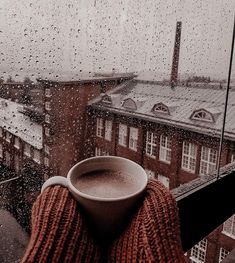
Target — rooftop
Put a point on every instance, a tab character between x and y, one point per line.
86	77
190	108
12	120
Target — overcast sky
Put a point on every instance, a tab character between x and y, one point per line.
124	35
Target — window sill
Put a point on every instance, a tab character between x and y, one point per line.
134	150
122	145
228	234
17	147
151	156
164	161
26	154
188	171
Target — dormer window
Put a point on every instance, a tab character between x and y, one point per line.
160	108
202	115
106	99
129	104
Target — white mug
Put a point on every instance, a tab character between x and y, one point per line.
107	216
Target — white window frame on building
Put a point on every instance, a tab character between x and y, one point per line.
133	138
8	159
47	118
47	92
8	136
1	150
151	144
17	142
223	253
1	132
229	227
122	135
48	105
150	173
100	152
165	149
189	157
47	131
99	127
208	160
164	180
198	252
17	163
108	130
37	156
233	158
46	161
27	149
46	149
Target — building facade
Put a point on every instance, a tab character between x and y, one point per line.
173	133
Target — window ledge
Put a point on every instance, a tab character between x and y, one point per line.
134	150
187	170
150	156
164	161
207	197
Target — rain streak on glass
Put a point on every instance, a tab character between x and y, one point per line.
145	80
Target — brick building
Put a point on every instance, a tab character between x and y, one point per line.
174	133
36	143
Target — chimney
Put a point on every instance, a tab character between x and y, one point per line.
175	62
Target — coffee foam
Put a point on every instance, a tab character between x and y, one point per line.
107	183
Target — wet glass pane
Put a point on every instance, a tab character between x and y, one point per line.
145	80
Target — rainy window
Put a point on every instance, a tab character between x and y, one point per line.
144	80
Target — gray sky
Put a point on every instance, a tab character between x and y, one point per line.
125	35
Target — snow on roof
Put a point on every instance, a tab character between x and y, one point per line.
186	100
18	124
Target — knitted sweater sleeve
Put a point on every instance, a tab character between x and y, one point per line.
58	233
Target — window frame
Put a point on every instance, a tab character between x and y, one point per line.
190	157
7	160
223	253
1	150
133	138
99	127
27	150
47	118
17	142
48	105
47	92
226	225
46	162
122	134
199	249
150	144
37	159
207	162
108	130
8	136
164	150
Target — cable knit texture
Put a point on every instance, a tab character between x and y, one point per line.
153	234
59	233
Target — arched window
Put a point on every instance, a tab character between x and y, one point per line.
106	99
129	104
160	108
202	115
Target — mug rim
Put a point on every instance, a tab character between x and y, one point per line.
105	199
